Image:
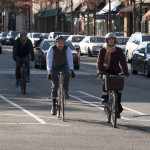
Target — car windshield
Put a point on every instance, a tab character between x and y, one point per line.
55	34
4	34
148	48
146	38
46	44
121	41
14	33
70	45
36	35
77	38
97	40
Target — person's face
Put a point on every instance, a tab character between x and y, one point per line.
23	38
111	41
60	45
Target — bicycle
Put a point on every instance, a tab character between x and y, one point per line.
113	84
23	73
61	97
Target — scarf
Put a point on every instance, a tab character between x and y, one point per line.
107	57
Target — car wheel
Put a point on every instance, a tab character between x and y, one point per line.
133	71
35	65
89	53
147	72
41	66
80	53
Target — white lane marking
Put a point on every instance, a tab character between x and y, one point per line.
63	125
24	110
87	102
132	110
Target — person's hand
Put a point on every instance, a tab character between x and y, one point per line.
49	76
72	74
127	74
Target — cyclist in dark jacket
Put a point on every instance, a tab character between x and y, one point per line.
109	60
22	52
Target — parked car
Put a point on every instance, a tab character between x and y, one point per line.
141	59
65	36
91	45
75	40
0	48
3	37
133	43
52	35
41	52
10	38
121	42
34	37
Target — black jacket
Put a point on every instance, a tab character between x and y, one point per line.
23	50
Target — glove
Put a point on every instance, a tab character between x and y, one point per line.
49	76
127	74
32	58
72	74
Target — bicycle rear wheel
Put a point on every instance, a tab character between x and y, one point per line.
114	110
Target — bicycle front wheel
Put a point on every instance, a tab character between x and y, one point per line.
23	82
63	107
114	110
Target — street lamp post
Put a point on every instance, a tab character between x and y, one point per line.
3	14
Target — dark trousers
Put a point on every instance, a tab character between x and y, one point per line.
120	109
19	62
55	79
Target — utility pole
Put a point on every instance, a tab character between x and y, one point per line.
140	14
29	17
88	19
57	13
72	22
109	16
134	17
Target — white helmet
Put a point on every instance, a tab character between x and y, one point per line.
110	35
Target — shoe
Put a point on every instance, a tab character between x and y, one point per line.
17	84
105	99
53	110
67	95
118	115
28	79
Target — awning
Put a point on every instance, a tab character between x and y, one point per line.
137	7
75	7
115	7
146	16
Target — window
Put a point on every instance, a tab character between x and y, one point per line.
146	38
148	48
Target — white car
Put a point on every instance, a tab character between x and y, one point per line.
75	40
133	42
52	35
91	45
34	37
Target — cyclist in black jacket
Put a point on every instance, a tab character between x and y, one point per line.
23	51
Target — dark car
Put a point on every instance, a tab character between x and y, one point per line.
0	48
11	37
3	37
41	52
141	59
